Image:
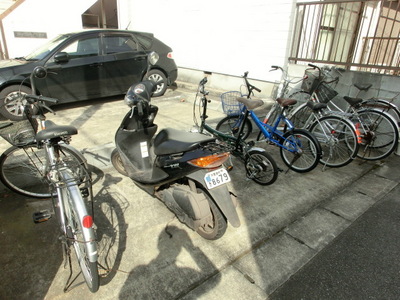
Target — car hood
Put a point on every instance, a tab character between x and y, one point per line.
12	63
14	67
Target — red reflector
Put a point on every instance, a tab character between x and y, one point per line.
87	221
169	55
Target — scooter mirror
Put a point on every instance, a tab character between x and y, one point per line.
153	58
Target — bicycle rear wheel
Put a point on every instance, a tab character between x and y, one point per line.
302	152
379	134
338	140
80	232
261	167
231	125
22	169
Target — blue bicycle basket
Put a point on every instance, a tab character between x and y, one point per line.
230	105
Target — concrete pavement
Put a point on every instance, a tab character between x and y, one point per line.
148	254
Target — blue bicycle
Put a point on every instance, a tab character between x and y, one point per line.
299	149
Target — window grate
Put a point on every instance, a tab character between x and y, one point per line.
357	35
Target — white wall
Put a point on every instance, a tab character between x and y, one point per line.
49	16
223	36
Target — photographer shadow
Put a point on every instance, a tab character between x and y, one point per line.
167	276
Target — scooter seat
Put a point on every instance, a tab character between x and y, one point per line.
170	141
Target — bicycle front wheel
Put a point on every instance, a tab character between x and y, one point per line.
261	167
80	232
22	170
300	150
231	125
379	134
338	140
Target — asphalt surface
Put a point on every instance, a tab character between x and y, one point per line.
318	235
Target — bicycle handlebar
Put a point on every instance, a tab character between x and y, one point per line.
250	87
41	98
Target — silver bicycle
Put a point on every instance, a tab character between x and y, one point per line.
42	164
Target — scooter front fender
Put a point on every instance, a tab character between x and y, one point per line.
221	197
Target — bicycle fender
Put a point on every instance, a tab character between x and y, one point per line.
220	196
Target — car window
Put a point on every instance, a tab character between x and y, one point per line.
83	48
117	44
144	41
43	50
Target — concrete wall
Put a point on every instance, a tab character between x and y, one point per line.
383	86
224	36
51	17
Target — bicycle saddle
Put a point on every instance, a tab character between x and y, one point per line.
170	141
316	106
352	101
363	87
284	102
54	131
250	103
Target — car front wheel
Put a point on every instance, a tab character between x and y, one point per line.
12	102
158	77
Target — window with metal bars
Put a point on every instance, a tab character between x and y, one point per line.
357	35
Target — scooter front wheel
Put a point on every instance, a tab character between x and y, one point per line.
117	162
217	227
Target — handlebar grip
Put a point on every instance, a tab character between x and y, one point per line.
313	66
275	67
203	81
139	106
257	89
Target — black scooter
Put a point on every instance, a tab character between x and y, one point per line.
182	169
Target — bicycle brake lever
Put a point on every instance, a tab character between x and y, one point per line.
48	109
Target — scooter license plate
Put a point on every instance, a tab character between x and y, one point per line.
216	178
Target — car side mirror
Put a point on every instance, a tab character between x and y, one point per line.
61	57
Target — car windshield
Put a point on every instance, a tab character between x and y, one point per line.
43	50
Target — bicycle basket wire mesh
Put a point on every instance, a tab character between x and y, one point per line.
325	93
310	81
230	105
20	133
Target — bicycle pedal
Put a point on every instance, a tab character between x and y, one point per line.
41	216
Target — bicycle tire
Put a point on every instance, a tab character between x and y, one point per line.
231	125
21	169
261	167
309	155
384	106
81	238
379	134
338	140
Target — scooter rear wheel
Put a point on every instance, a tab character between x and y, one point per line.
217	228
117	162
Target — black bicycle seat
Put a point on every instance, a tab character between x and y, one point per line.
54	131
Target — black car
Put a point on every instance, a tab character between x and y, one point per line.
86	65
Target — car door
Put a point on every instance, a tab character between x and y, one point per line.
124	62
75	71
